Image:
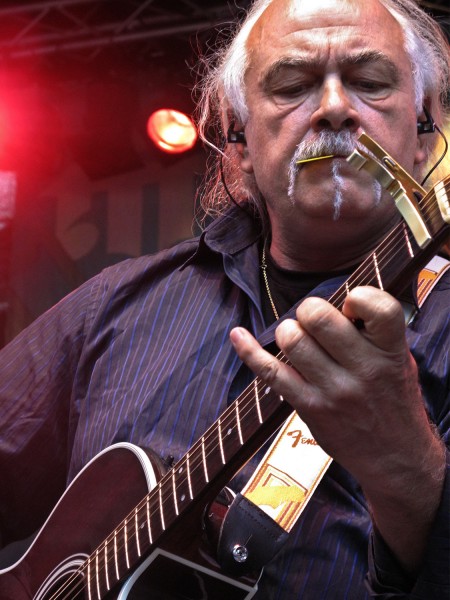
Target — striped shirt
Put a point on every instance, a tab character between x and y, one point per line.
140	353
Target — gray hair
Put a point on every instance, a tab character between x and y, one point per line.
223	97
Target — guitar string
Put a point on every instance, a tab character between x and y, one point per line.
398	232
204	438
142	505
105	565
154	506
166	481
194	468
397	243
401	239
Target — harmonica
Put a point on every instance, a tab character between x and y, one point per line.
305	160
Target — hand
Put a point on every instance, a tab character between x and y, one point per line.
358	391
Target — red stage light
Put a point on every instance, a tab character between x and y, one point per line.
171	130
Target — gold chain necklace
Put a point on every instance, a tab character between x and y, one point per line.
266	281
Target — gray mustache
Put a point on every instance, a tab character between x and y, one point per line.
327	142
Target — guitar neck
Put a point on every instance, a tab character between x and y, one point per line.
195	480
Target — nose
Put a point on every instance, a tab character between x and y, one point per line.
335	110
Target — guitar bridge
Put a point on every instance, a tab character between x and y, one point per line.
393	178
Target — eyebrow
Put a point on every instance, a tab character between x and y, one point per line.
362	58
367	57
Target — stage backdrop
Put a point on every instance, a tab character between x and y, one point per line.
68	228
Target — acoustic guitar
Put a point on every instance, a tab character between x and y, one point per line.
123	530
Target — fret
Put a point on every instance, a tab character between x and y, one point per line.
108	587
174	493
229	433
97	575
264	391
408	241
89	580
262	407
188	470
125	534
205	467
161	510
116	556
254	408
238	423
377	270
258	403
149	527
169	498
136	527
407	253
222	454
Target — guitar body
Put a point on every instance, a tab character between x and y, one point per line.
102	495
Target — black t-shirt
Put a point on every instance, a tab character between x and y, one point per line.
289	287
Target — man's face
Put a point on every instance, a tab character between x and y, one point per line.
327	65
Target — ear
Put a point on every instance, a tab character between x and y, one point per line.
421	153
246	163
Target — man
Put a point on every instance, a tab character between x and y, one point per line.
141	353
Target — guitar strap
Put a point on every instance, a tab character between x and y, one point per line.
260	518
427	279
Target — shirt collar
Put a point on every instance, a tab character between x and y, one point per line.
229	234
232	232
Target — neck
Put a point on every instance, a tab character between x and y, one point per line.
325	248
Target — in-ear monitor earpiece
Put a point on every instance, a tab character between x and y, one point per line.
428	126
235	137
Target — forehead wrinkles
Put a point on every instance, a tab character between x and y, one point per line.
292	27
338	46
291	37
356	35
